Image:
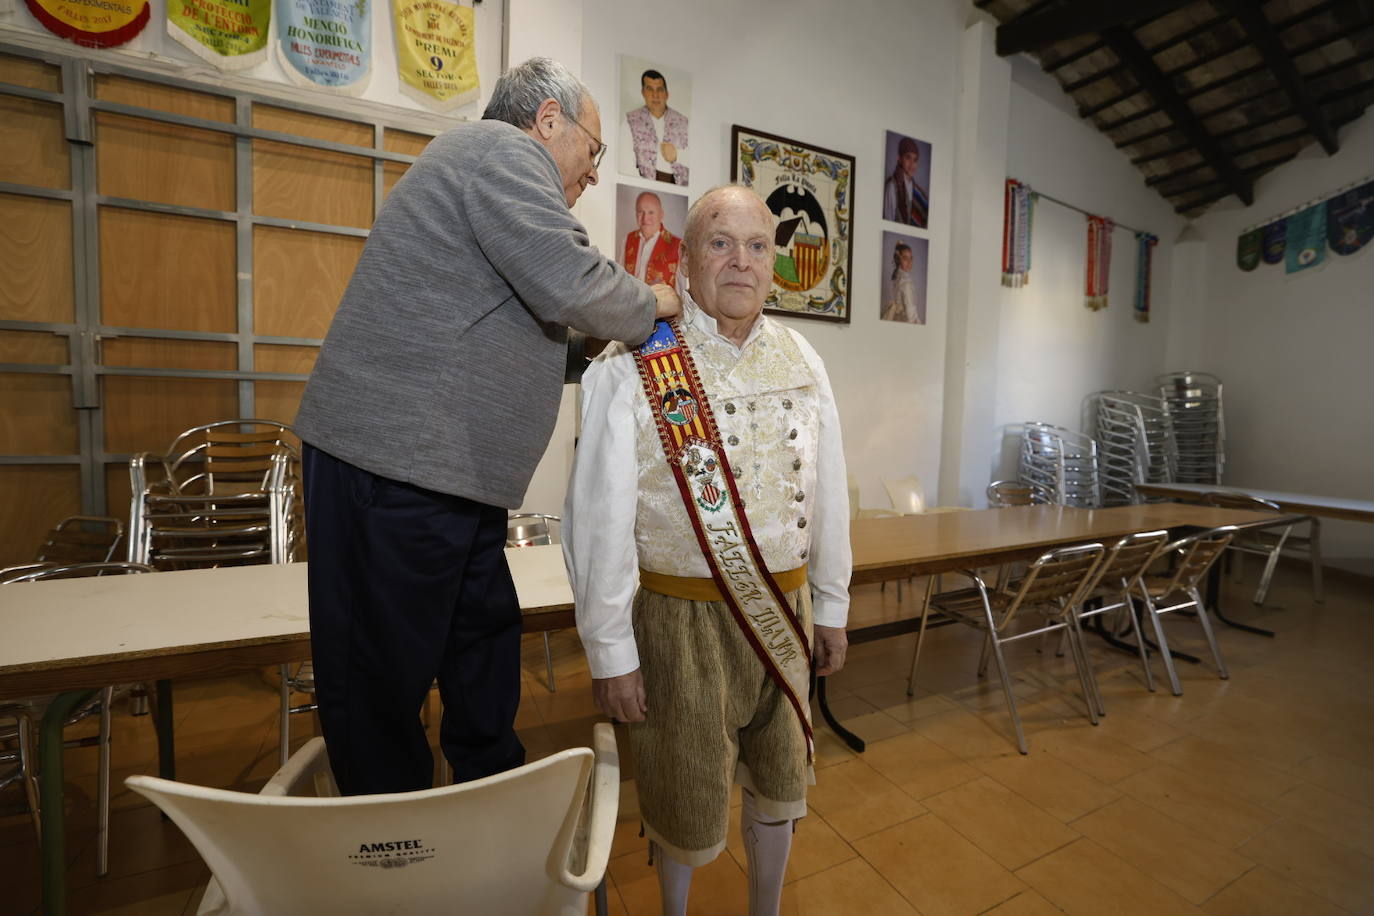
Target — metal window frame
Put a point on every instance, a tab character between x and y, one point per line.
83	366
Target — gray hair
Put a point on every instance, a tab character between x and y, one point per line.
521	90
697	213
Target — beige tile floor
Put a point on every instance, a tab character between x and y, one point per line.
1248	796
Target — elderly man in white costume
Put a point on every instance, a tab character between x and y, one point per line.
698	634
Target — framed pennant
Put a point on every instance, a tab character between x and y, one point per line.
811	192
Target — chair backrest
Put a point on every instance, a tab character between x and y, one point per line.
1126	561
906	493
81	539
80	570
211	510
227	456
1196	554
1003	493
529	529
513	843
1055	581
1227	500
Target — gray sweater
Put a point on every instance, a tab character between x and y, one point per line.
444	364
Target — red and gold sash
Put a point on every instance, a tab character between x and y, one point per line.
691	442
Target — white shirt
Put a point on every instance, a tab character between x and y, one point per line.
646	248
623	510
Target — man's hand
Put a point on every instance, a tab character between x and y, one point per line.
669	305
668	150
828	645
621	698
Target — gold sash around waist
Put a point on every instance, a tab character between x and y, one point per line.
705	589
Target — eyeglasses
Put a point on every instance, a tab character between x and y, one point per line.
600	147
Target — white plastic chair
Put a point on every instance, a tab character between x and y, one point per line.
908	497
533	840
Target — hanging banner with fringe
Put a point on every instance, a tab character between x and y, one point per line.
1350	219
231	34
91	23
436	52
1274	242
1099	261
1248	249
326	43
1145	253
1017	217
1306	239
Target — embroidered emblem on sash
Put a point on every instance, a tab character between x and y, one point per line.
691	443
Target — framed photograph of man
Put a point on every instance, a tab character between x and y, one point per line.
811	192
655	107
906	181
905	258
648	232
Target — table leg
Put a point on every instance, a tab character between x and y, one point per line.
848	737
1315	542
601	898
166	743
50	790
1214	603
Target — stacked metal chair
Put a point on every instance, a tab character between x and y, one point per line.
1003	493
1061	462
1136	442
1195	404
226	493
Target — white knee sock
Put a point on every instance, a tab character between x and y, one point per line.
674	881
767	845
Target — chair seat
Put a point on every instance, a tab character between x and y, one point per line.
1158	586
1268	540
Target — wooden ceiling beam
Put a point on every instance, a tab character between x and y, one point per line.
1271	48
1074	56
1074	18
1125	46
1217	54
1254	171
1312	77
1199	29
1214	196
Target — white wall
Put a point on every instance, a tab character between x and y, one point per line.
1052	351
1294	353
769	66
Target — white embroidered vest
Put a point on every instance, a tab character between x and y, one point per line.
766	404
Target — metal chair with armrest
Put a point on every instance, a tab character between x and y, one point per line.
75	539
24	712
1112	585
1271	543
1051	587
1193	556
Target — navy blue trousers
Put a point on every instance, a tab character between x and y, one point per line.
408	586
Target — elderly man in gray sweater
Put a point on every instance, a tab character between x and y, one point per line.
433	398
